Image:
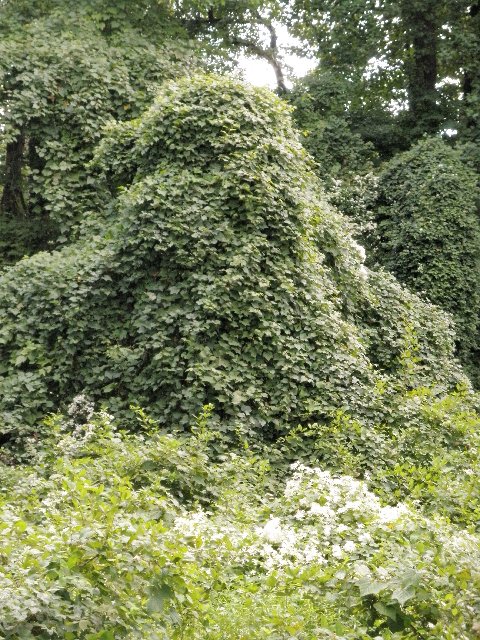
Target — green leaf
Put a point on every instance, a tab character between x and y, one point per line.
385	610
20	526
159	598
403	594
368	587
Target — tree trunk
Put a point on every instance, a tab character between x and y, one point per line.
421	23
471	78
13	199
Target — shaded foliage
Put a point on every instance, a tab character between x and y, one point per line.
63	75
323	116
410	63
428	233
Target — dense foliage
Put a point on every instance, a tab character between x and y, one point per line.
327	128
411	65
217	275
63	76
201	261
428	233
117	536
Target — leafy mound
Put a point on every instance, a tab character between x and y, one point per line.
218	275
428	233
133	536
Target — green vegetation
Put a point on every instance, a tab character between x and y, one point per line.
216	276
175	243
410	65
328	132
63	76
428	233
131	536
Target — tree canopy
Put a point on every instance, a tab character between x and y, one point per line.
411	64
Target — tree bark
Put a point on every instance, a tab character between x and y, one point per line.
471	77
421	22
13	199
270	53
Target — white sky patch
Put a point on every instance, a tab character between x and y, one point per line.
375	66
444	82
259	73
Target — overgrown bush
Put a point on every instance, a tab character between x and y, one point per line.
218	275
428	233
63	75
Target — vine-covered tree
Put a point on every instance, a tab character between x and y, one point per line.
66	69
217	275
249	26
428	233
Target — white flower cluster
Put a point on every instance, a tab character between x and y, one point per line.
322	494
337	517
281	545
81	408
319	519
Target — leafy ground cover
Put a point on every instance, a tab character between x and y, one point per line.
113	535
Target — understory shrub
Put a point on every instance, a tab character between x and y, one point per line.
21	237
417	445
112	535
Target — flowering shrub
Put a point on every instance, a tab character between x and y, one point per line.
416	446
148	535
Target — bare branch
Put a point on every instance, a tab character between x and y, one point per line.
270	54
